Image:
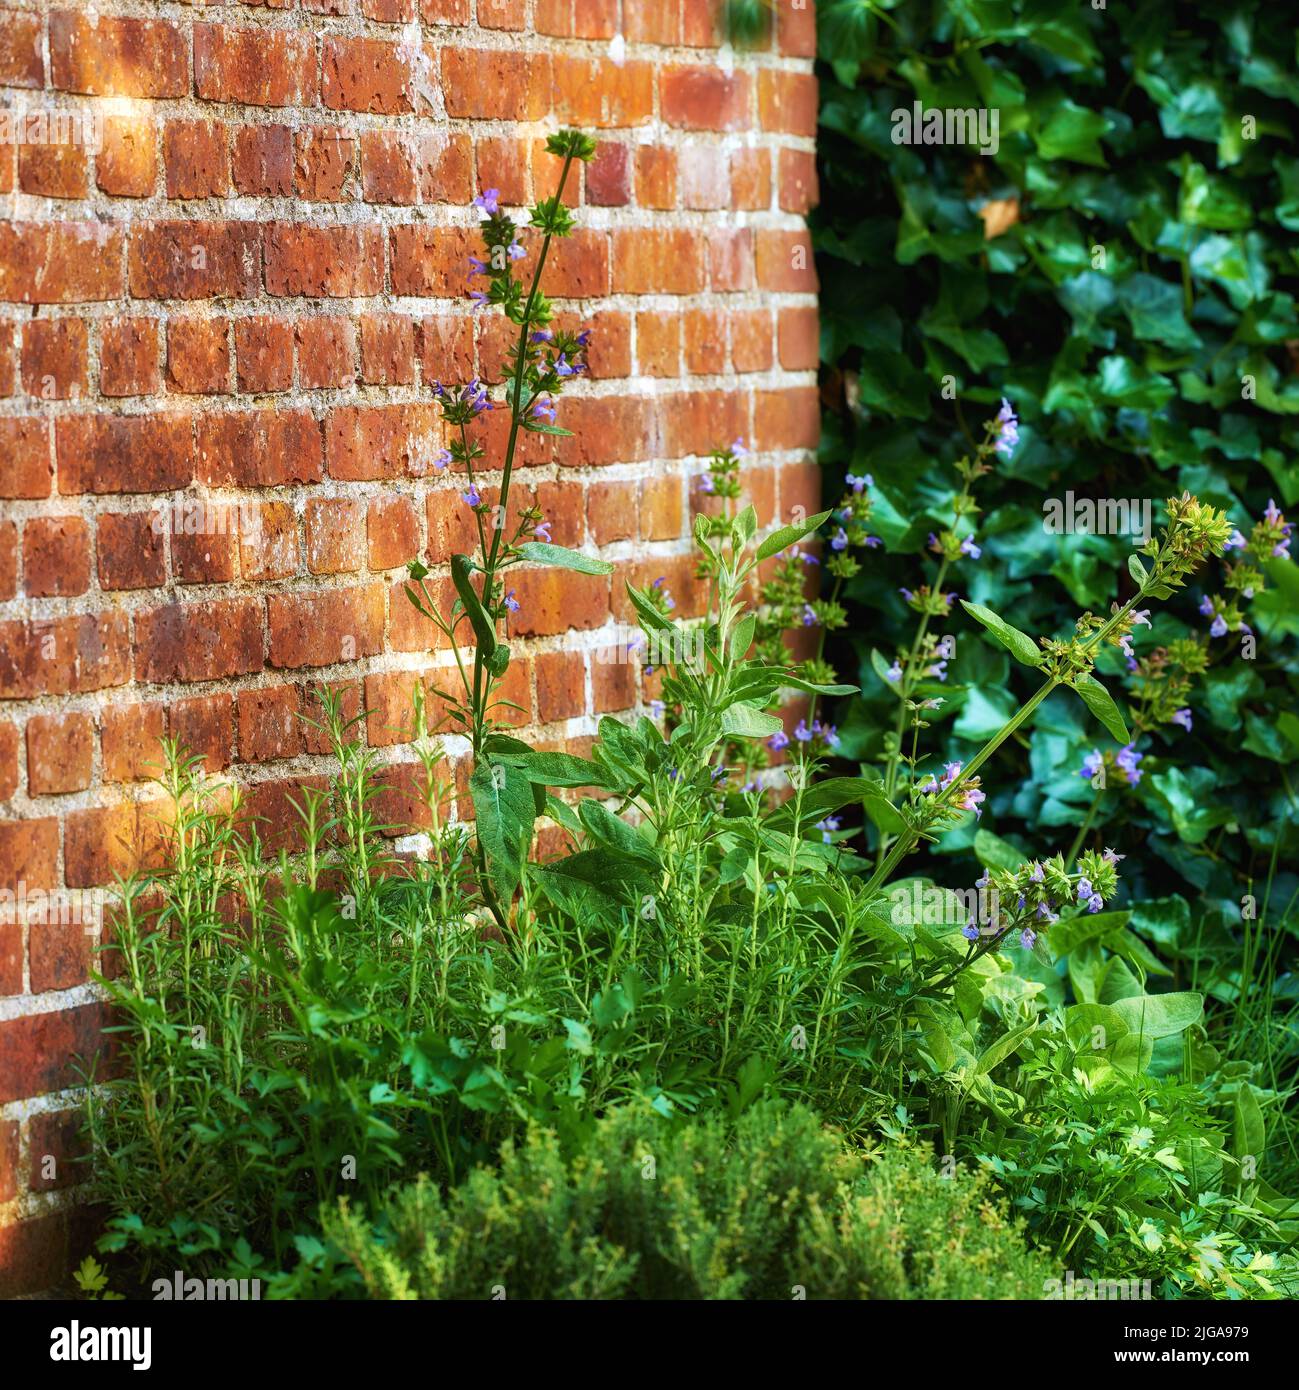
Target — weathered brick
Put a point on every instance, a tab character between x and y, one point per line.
131	742
21	64
259	448
60	263
198	641
787	101
56	557
326	626
326	352
261	161
336	531
53	171
269	727
195	159
392	529
202	726
60	753
658	261
553	600
322	164
128	357
198	356
263	354
59	1150
38	1052
54	360
369	75
108	56
254	67
599	93
433	167
126	165
705	98
195	260
387	349
323	261
126	453
392	441
495	83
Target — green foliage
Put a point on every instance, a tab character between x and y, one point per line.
772	1208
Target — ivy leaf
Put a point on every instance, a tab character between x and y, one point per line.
1101	703
1019	644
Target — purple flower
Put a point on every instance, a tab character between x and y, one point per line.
542	335
938	670
827	827
1027	937
1235	541
968	547
828	732
517	251
656	708
706	483
563	367
970	932
1008	429
1095	903
738	449
1085	889
1218	628
1092	764
544	409
894	673
1206	606
778	741
486	201
803	734
858	483
442	458
809	615
1112	857
542	531
907	594
1127	758
809	559
473	497
839	541
479	266
511	602
1183	717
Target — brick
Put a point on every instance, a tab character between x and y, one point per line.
578	266
195	260
8	1156
326	352
656	177
502	163
599	93
799	190
34	1254
367	442
60	263
59	1150
38	1051
106	841
128	357
254	67
135	453
204	541
401	168
129	551
8	356
751	349
390	11
348	695
269	727
751	179
408	629
613	680
495	84
198	356
392	529
29	852
693	422
272	806
785	262
705	98
389	705
787	101
126	165
731	260
705	178
259	448
323	261
54	171
263	354
387	349
430	260
608	176
444	11
261	161
561	685
658	343
8	559
195	159
268	541
59	952
705	341
106	56
502	14
660	508
58	656
367	75
796	29
658	261
336	530
446	348
699	24
653	23
799	335
789	419
54	361
131	742
608	429
322	165
8	765
324	627
202	726
56	557
21	64
553	601
198	641
60	753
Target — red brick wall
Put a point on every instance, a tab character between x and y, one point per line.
240	298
